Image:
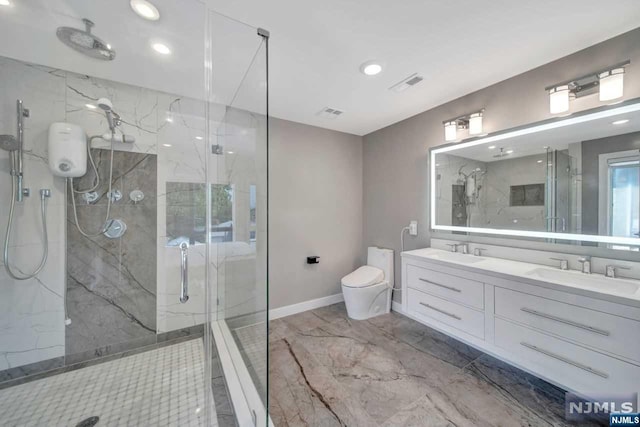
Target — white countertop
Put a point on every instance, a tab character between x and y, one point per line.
624	291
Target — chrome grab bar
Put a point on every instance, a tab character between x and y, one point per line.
441	311
184	270
565	360
442	286
566	321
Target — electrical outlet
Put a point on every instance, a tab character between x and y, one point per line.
413	228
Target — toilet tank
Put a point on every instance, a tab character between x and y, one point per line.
383	259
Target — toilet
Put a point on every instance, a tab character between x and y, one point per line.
367	291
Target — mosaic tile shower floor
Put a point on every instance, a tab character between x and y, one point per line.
163	387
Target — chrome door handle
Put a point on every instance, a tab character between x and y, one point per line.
441	311
184	272
565	360
442	286
566	321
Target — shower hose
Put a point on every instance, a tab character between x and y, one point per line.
7	238
106	224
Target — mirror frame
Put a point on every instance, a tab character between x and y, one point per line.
554	123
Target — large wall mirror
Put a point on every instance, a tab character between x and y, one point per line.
568	180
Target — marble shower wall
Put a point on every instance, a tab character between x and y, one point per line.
168	129
111	283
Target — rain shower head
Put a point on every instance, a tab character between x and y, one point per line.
9	143
85	42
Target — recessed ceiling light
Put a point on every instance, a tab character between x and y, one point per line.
89	106
199	138
169	119
539	161
5	3
161	48
229	152
620	122
491	147
166	145
144	9
371	68
509	151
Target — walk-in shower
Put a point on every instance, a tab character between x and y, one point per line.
153	297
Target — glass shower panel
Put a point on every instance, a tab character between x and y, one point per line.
239	158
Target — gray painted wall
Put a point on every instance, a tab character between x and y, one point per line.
315	208
395	158
591	151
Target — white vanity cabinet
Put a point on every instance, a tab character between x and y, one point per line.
581	343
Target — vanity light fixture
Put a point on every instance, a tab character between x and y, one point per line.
475	123
559	99
620	122
608	82
611	84
450	131
145	9
472	122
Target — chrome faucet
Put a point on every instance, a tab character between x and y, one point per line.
586	264
465	248
564	264
453	246
611	270
478	251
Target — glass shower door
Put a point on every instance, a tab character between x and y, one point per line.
238	190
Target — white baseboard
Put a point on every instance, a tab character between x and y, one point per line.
288	310
396	306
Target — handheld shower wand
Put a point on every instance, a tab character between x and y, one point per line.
15	147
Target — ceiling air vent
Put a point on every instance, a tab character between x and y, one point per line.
330	113
405	84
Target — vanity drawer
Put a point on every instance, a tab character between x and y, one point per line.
603	331
447	286
576	367
458	316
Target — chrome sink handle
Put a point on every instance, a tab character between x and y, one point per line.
184	270
478	251
611	271
564	264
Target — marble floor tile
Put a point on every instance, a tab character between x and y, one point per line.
326	369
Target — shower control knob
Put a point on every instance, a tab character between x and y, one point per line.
90	197
115	195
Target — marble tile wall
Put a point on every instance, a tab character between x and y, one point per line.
31	311
111	283
167	126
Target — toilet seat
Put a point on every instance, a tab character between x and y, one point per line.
363	277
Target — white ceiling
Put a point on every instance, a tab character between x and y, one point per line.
458	46
316	48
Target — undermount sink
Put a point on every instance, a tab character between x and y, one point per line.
457	257
598	282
